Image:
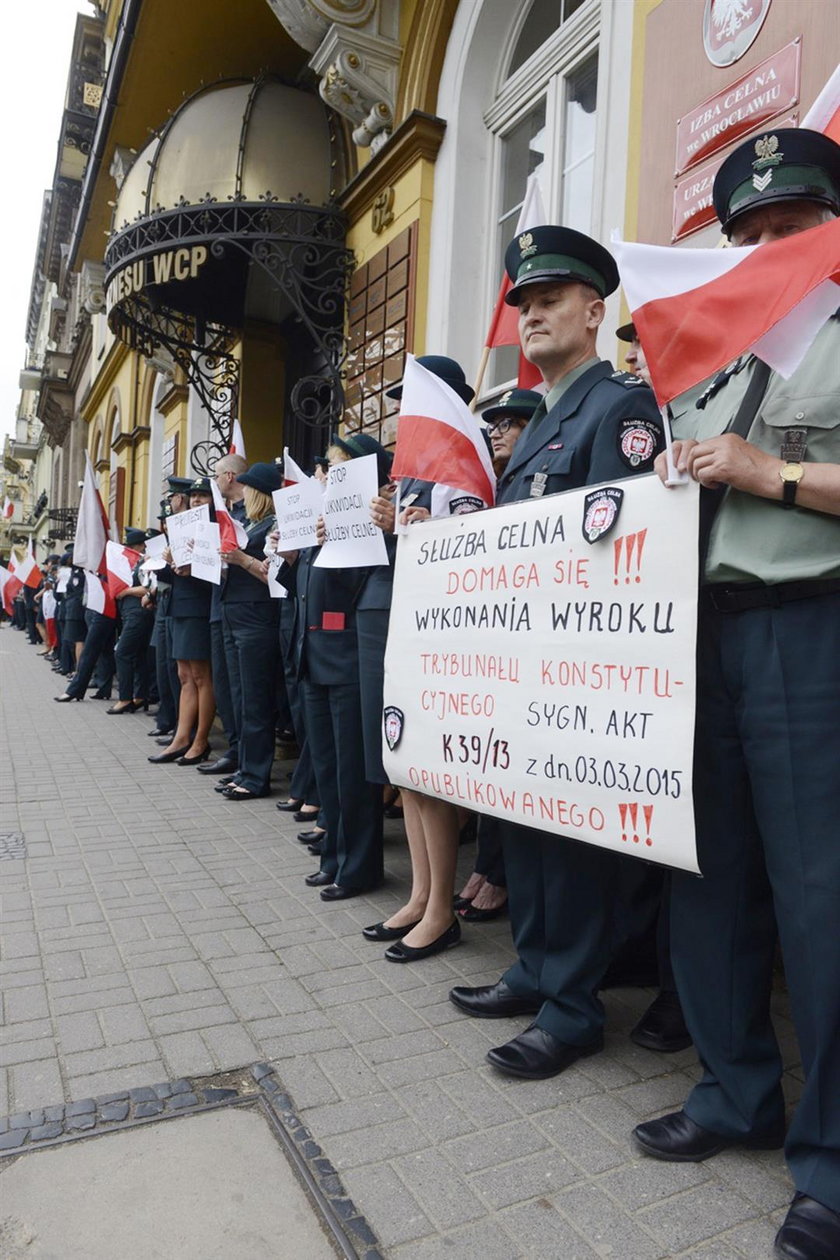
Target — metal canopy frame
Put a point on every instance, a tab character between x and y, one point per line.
300	248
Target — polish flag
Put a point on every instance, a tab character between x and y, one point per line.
237	441
27	571
92	527
119	567
439	438
696	310
97	596
8	509
504	325
824	114
231	533
293	474
48	607
9	587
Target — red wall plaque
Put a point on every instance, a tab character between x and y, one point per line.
748	103
693	208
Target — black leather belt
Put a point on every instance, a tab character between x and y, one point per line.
742	596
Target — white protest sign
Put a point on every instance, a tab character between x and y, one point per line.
297	508
155	548
275	589
353	541
181	531
63	578
548	680
205	559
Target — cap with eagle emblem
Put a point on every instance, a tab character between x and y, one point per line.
794	165
549	254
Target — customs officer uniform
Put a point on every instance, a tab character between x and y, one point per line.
228	762
595	425
167	714
766	781
132	650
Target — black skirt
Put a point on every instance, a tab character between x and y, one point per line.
74	630
190	638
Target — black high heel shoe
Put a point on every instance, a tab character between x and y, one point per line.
194	761
65	699
162	758
131	706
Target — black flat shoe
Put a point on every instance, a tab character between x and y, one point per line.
312	836
164	758
65	699
399	952
493	1001
291	806
339	892
379	932
194	761
319	880
131	707
472	914
678	1140
223	784
662	1027
222	765
536	1055
305	815
811	1231
317	849
233	792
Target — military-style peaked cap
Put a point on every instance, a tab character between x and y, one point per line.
791	164
519	403
447	369
550	254
134	537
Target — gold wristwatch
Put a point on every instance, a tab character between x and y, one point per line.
791	475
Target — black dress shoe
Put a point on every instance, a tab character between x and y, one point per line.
535	1054
810	1231
222	765
339	892
156	732
223	784
163	758
399	952
312	836
677	1139
319	880
379	932
236	792
662	1026
317	849
291	806
492	1001
306	815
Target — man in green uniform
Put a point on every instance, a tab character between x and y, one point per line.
767	788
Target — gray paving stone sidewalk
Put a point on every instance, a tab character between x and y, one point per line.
152	931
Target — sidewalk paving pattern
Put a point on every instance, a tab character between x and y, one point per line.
149	930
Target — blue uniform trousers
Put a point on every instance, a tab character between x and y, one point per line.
221	687
99	641
767	801
252	650
132	656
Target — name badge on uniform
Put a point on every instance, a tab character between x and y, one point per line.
538	485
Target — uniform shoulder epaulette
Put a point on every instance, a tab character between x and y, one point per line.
626	378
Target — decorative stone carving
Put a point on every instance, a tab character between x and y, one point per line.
92	282
307	21
358	79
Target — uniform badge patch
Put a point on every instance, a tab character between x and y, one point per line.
394	720
465	504
600	512
637	442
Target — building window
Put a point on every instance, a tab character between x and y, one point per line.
543	120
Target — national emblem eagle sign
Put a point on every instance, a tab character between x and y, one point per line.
540	665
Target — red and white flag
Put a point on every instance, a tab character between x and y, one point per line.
231	533
293	474
27	570
439	438
119	567
97	596
9	587
92	527
504	325
8	509
824	114
696	310
237	441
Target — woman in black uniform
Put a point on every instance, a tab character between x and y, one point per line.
132	650
189	611
250	620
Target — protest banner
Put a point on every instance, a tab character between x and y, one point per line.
540	665
155	548
297	508
205	559
353	541
181	531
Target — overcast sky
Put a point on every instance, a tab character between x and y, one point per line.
37	38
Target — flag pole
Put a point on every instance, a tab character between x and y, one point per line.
479	380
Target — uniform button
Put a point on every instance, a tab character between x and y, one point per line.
800	415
